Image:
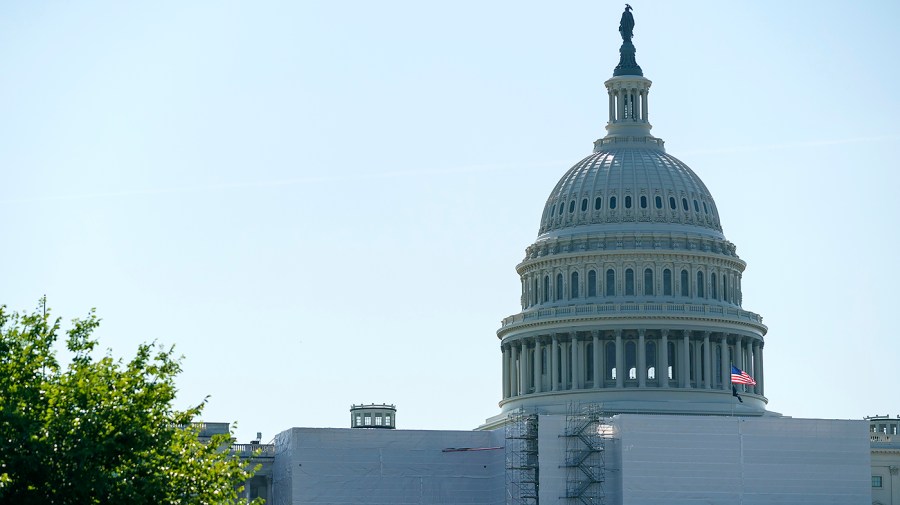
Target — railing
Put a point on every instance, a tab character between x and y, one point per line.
880	437
248	450
610	309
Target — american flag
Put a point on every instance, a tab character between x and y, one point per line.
739	376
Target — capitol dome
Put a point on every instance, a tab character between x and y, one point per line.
631	294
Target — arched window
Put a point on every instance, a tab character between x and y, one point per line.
573	286
546	289
684	204
667	282
598	203
671	353
631	359
672	204
713	292
572	206
610	364
658	202
643	202
628	202
610	282
589	361
648	282
562	207
705	208
592	283
685	284
612	202
629	282
650	359
559	287
584	205
534	292
725	288
696	206
700	293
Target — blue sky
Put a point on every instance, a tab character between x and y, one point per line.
322	203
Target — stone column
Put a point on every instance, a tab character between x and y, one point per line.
726	368
748	352
523	368
598	371
697	363
642	360
645	107
505	371
514	371
554	363
686	360
620	361
739	356
762	372
612	105
756	374
538	364
663	358
707	364
576	369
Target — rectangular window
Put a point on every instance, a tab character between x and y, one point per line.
377	419
368	420
358	420
387	419
876	481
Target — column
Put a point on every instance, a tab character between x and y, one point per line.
645	107
726	368
620	361
554	363
538	364
523	368
564	351
697	364
641	360
505	371
664	359
756	374
707	365
576	364
598	369
686	360
748	352
762	372
739	356
612	105
513	371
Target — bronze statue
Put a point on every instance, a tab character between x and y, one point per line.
626	25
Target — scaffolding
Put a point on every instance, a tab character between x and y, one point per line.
522	459
585	446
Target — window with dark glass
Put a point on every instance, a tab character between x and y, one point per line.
546	289
648	282
572	206
610	282
610	361
672	204
584	205
684	204
612	202
592	283
628	202
725	288
705	208
543	360
667	282
629	282
650	359
700	293
658	202
685	283
598	203
631	359
534	292
562	207
876	481
589	361
573	286
559	286
643	202
696	206
713	292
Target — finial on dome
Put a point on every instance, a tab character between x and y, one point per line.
627	64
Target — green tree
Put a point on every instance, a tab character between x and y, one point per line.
100	430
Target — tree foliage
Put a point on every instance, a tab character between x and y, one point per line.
100	430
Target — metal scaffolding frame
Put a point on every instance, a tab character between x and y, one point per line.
585	460
522	459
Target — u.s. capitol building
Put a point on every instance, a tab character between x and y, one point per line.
617	383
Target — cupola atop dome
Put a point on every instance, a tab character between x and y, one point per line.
628	89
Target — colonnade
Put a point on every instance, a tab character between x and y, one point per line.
628	358
628	104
